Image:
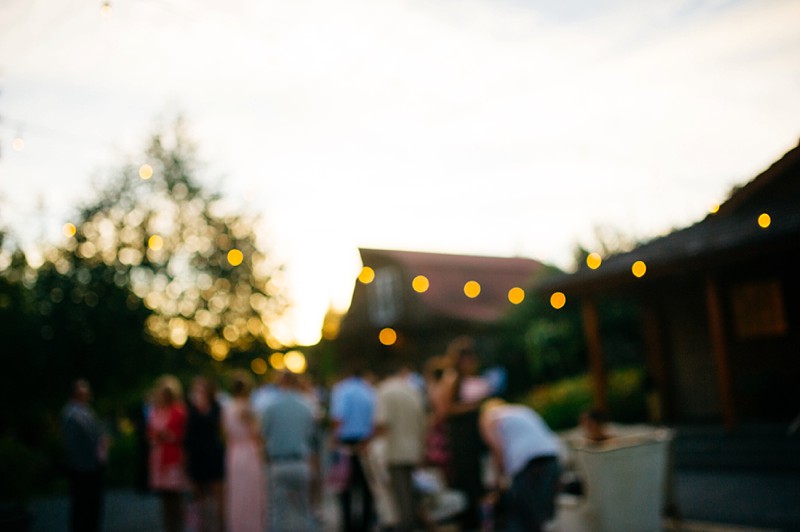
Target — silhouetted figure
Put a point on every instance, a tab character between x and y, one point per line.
205	453
85	451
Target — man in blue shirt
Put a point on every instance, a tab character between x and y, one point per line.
352	413
288	429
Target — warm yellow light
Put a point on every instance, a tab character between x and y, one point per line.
145	171
714	208
387	336
472	289
558	300
367	275
594	260
105	10
155	242
639	268
219	350
69	230
516	295
276	361
764	220
18	144
235	257
420	283
295	361
259	366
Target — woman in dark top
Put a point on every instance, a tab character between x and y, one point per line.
205	454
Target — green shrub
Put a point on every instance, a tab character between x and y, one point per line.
20	469
560	403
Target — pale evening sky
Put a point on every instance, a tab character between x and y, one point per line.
493	127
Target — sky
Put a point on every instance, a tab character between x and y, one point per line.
487	127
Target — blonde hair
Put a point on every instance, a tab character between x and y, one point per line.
171	384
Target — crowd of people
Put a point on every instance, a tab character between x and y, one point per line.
258	456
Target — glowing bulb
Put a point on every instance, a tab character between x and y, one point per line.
420	283
639	268
145	171
235	257
295	361
69	230
764	220
594	260
387	336
367	275
155	242
105	9
18	144
259	366
558	300
516	295
472	289
714	208
276	361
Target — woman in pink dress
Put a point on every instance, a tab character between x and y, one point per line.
246	486
166	427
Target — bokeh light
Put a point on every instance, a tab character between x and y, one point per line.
594	260
155	242
387	336
219	349
764	220
145	171
295	361
106	10
714	208
472	289
516	295
69	230
367	275
235	257
18	144
259	366
276	361
639	268
420	283
558	300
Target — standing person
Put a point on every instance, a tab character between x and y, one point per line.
85	451
525	453
463	389
288	430
400	418
205	453
246	486
353	413
166	430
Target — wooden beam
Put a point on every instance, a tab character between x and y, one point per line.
719	346
591	331
657	365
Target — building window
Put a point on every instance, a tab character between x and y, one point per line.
384	297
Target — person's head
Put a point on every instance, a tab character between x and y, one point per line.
168	390
464	354
81	391
593	422
203	390
288	381
241	384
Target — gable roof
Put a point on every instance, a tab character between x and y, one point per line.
731	233
448	274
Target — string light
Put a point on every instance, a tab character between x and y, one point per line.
594	260
235	257
764	220
420	284
558	300
472	289
259	366
639	268
276	361
69	230
516	295
18	144
145	171
387	336
367	275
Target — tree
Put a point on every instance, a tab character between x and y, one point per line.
198	267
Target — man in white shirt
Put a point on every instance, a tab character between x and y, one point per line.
524	451
400	418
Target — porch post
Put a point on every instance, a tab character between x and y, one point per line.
591	331
656	364
719	347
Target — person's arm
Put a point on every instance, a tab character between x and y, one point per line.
487	426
